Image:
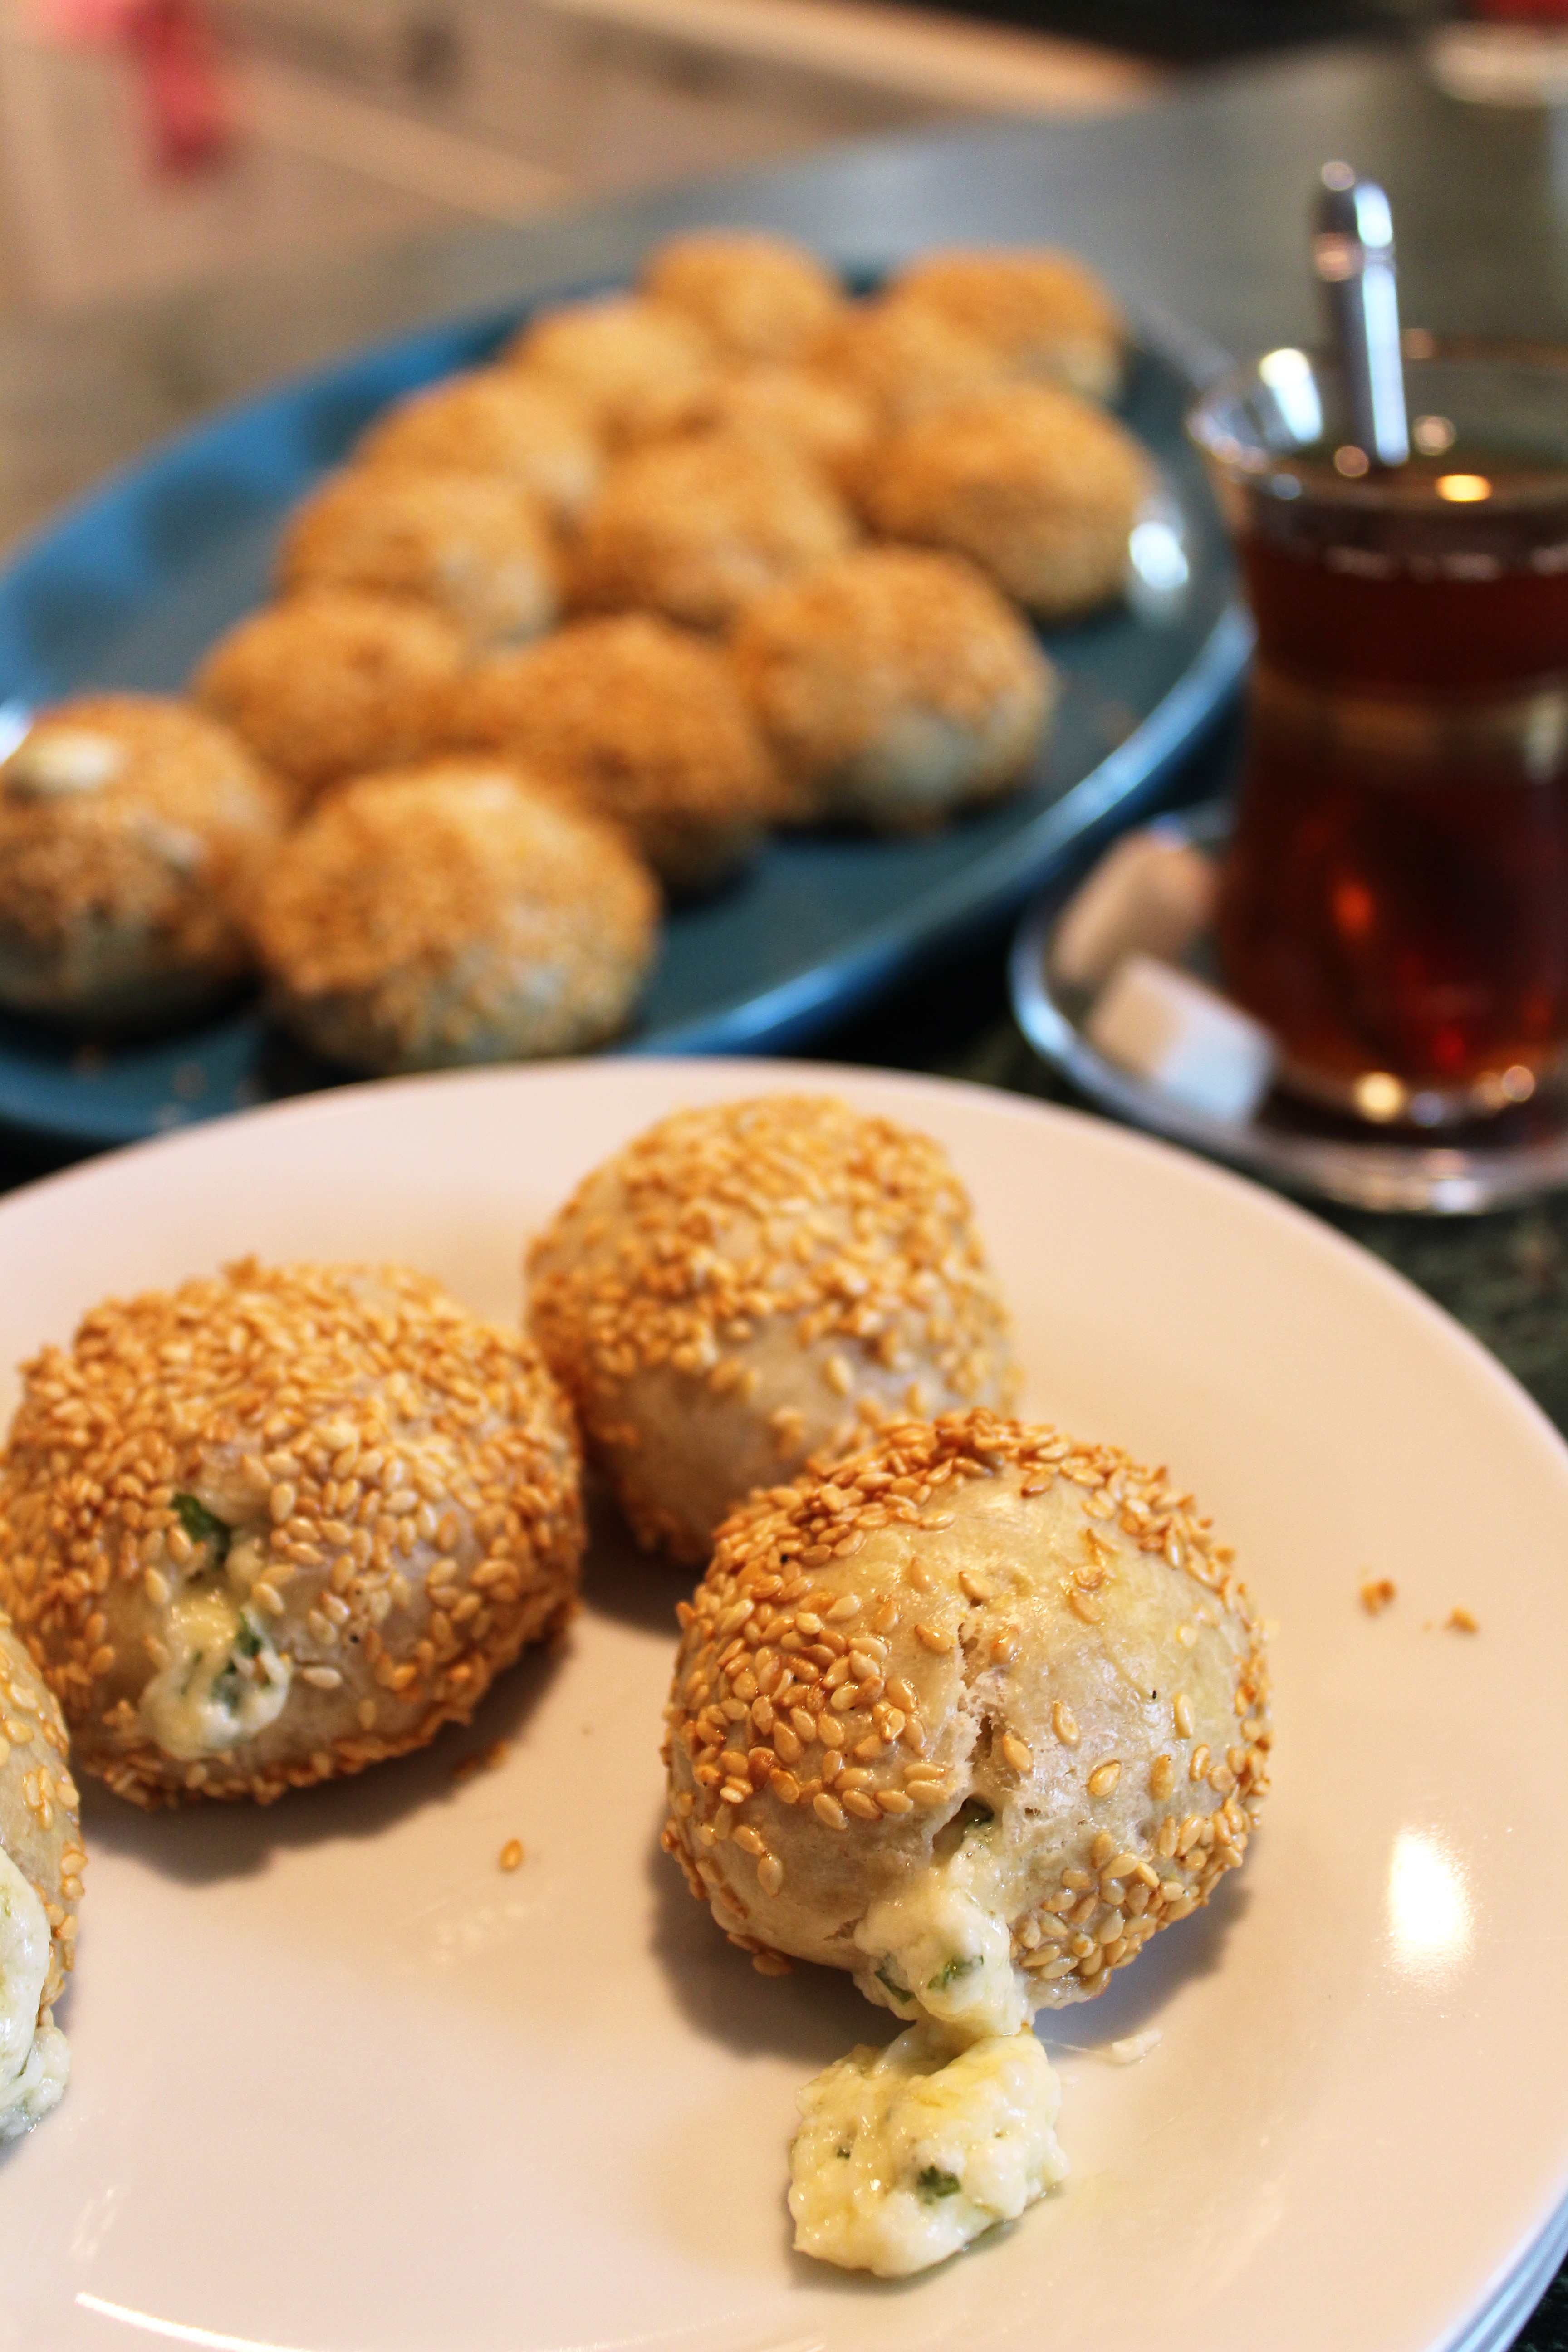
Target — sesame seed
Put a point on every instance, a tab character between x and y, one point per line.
829	1812
1064	1723
1104	1779
1018	1752
1182	1715
512	1854
1162	1777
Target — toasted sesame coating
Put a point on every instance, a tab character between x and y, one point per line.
829	421
760	298
606	353
1046	314
974	1627
132	830
40	1813
645	723
1039	488
333	682
753	1284
895	685
377	1490
454	913
906	359
496	420
696	530
476	547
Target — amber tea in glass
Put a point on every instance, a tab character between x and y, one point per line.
1394	905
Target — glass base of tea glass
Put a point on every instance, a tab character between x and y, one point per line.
1383	1100
1306	1143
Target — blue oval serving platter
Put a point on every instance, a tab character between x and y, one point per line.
130	585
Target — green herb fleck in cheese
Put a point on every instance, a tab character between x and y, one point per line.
224	1682
951	1950
906	2155
34	2064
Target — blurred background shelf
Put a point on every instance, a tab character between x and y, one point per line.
337	124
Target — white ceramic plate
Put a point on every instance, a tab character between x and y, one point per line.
343	2085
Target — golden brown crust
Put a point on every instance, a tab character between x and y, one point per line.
607	353
132	832
696	530
647	724
1046	314
878	1647
40	1811
457	912
476	547
335	682
906	359
759	297
829	421
407	1472
1037	487
895	685
499	420
748	1284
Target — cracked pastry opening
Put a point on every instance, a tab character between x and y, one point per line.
972	1714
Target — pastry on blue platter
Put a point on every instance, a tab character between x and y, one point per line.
896	686
454	913
133	833
335	682
647	724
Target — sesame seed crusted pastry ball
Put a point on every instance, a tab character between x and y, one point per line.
606	353
748	1285
1006	1716
695	529
279	1524
1037	487
1048	316
132	832
450	914
895	685
476	547
828	421
41	1862
907	359
647	724
335	682
494	421
760	298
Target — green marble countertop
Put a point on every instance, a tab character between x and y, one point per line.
1196	206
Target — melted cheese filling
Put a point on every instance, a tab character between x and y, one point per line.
906	2155
35	2063
224	1682
943	1949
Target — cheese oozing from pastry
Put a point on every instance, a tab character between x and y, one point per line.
905	2155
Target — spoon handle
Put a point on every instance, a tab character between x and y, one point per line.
1353	254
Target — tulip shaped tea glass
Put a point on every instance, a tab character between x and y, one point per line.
1394	905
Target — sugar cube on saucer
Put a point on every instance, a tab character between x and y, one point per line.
1149	895
1161	1024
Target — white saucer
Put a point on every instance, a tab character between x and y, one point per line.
343	2085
